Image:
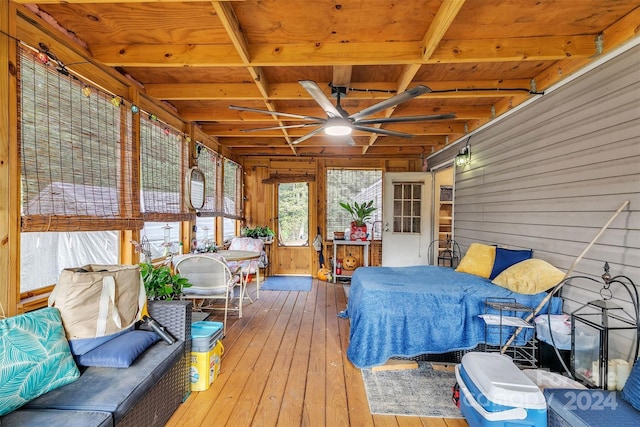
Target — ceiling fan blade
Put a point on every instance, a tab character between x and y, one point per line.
299	125
277	113
388	103
307	136
405	119
319	96
350	142
382	131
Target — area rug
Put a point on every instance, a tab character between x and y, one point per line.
287	283
421	392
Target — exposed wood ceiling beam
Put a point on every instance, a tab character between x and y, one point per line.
224	114
230	23
338	151
292	91
436	31
438	128
111	1
341	75
310	54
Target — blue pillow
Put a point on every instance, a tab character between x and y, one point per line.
83	345
34	357
631	390
119	352
505	258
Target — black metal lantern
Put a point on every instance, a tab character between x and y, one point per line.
593	327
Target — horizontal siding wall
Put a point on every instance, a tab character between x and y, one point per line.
552	174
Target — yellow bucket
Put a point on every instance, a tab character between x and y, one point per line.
205	367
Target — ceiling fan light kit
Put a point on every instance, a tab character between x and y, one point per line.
338	121
336	126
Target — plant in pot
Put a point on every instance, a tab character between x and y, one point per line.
360	214
160	283
260	232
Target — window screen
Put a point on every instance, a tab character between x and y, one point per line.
352	185
209	164
74	146
163	164
232	190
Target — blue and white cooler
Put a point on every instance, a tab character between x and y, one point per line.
494	392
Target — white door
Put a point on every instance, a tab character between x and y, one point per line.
406	211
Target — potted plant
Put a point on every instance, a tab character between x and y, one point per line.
160	283
260	232
360	214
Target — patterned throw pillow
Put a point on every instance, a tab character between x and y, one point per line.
34	357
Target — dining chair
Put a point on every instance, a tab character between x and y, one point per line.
251	266
210	280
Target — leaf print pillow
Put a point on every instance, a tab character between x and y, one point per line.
34	357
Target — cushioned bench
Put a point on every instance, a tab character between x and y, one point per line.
146	393
595	408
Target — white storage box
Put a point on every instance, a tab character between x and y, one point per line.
557	324
494	392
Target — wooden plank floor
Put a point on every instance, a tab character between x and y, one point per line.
285	364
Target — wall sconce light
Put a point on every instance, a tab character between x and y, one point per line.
464	156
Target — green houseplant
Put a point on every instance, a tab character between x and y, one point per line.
259	232
360	214
160	283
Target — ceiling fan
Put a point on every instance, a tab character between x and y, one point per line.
339	123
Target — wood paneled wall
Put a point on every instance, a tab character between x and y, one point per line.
260	198
551	175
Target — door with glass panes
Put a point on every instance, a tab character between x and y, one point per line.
292	253
407	226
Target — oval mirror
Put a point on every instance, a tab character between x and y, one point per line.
195	188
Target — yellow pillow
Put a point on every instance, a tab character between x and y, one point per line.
529	277
478	260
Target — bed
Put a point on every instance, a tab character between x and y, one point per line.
411	311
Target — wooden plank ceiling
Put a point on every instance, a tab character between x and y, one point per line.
480	59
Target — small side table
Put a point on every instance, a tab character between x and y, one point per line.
336	243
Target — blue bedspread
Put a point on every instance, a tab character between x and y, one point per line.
408	311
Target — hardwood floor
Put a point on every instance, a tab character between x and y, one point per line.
285	364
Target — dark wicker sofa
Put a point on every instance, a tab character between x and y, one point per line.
145	394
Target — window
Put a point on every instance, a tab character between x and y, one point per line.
228	229
407	202
351	185
209	164
232	190
163	237
206	234
232	198
44	255
163	166
74	147
293	214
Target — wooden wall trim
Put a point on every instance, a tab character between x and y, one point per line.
278	178
9	164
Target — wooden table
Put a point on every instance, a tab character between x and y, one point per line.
238	256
